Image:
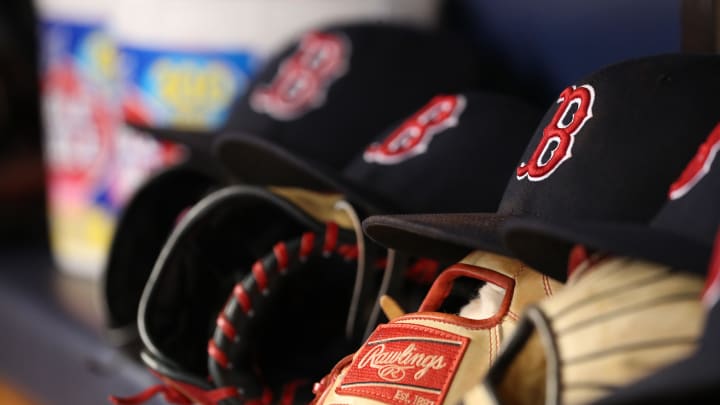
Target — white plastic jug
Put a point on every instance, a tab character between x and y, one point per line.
83	134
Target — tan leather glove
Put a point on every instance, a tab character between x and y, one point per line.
430	357
616	321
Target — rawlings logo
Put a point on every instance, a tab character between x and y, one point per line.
698	167
403	364
414	135
303	79
558	137
392	365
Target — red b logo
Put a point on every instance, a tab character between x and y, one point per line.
414	135
698	167
303	78
559	135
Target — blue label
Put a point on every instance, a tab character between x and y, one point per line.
183	90
85	48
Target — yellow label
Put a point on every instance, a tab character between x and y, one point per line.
102	55
192	90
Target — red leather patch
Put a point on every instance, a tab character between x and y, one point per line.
405	364
578	255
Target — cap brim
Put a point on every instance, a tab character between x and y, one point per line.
199	141
254	160
546	246
445	236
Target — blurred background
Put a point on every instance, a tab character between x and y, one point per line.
93	91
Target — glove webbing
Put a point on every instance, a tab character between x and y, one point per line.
248	294
285	258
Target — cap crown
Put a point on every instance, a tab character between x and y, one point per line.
327	95
432	160
610	146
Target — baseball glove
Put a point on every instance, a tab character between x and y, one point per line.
222	236
432	356
144	226
617	320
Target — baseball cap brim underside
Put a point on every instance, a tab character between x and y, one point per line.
545	246
253	160
446	236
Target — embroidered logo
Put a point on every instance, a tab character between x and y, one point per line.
405	364
393	365
413	137
304	78
698	167
558	136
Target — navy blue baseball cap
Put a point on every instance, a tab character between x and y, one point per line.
321	100
607	150
680	235
424	163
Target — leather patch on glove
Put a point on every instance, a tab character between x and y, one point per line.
405	364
